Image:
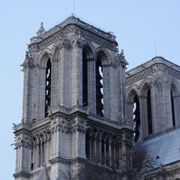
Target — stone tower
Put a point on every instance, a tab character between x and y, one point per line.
153	88
73	105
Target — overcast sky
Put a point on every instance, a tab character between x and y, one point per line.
143	28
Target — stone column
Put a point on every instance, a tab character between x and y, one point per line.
105	156
90	145
114	154
35	155
177	109
110	153
100	148
130	111
143	116
92	85
95	146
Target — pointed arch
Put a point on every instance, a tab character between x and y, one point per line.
44	57
133	105
87	54
131	93
104	55
56	54
174	92
146	94
89	48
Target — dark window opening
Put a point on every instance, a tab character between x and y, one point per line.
32	166
102	151
85	79
107	152
150	130
99	88
172	107
136	118
48	88
87	146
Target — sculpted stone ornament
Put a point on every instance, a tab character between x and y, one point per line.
61	127
28	62
41	30
120	59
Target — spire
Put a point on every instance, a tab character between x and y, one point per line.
122	53
41	30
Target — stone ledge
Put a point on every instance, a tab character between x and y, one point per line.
22	174
67	161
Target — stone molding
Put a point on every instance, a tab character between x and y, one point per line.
38	45
22	174
130	79
66	125
23	141
68	161
42	136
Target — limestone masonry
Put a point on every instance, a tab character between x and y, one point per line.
81	109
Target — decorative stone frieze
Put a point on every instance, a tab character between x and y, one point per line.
23	141
39	44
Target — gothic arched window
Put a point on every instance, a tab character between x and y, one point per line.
85	79
150	129
48	88
136	118
172	108
99	88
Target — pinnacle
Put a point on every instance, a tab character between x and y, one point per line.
41	30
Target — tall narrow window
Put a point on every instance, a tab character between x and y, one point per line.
150	130
99	88
87	145
85	79
172	107
136	119
48	88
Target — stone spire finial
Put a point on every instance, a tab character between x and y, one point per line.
122	53
41	30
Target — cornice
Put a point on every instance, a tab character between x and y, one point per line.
139	75
39	43
68	161
22	174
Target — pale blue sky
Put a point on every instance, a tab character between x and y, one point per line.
137	24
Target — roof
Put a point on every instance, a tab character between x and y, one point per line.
164	148
72	20
153	61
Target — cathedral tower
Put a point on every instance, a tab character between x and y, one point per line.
73	105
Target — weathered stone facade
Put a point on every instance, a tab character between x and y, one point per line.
81	107
69	121
162	79
153	104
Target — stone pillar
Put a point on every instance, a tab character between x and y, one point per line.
28	73
100	148
65	73
110	153
35	155
106	88
177	109
92	85
55	82
130	112
95	146
143	116
76	74
105	156
23	161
